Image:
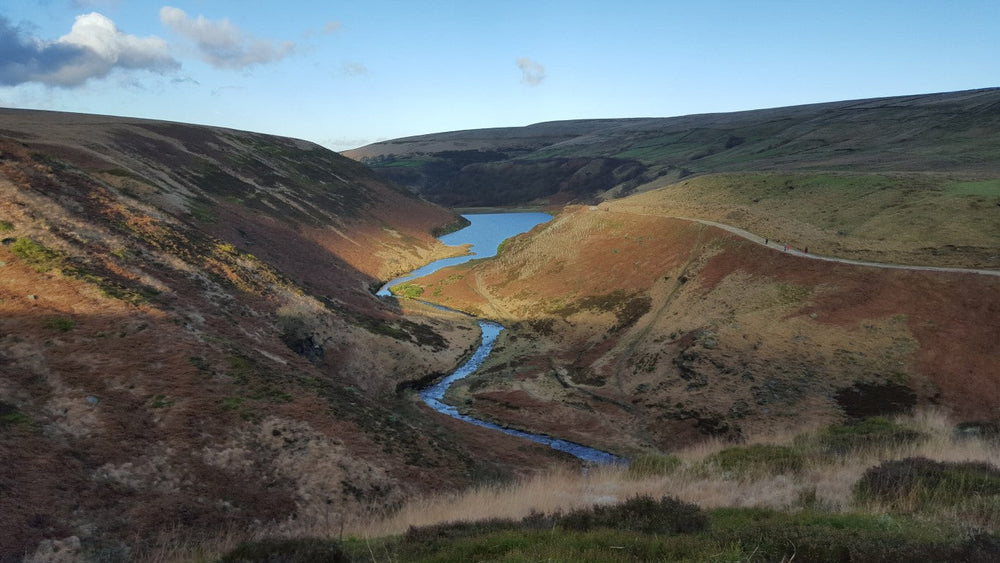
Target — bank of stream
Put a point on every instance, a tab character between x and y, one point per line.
484	234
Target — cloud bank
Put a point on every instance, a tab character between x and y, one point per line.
532	73
92	49
222	44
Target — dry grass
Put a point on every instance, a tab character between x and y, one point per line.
826	482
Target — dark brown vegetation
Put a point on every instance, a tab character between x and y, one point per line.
189	343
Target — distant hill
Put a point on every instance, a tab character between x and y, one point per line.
956	133
189	342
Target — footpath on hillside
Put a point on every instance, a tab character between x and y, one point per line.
759	240
801	253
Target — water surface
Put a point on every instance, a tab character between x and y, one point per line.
484	234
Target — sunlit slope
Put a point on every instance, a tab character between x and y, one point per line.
189	343
903	218
642	332
957	133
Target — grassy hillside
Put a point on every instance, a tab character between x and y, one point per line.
637	332
918	219
582	161
189	342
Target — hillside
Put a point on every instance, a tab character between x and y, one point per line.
189	342
953	134
640	332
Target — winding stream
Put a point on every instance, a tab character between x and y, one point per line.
485	233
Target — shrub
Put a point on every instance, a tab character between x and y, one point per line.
408	290
652	465
868	433
161	401
62	324
919	481
6	226
772	535
297	550
639	514
453	530
758	459
43	259
11	416
863	400
987	430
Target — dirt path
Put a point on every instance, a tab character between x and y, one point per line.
760	240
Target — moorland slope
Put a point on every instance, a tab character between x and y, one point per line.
189	343
955	134
641	332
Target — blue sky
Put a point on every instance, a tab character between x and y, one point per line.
344	74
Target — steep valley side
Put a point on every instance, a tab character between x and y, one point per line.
189	344
637	332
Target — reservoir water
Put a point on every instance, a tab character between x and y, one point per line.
485	233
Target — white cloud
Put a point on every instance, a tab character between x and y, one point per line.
222	44
92	49
532	73
332	27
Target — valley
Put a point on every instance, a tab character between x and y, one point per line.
691	331
193	354
189	338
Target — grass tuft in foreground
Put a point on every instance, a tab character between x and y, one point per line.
875	432
287	550
903	489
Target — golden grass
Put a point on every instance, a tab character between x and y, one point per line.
825	482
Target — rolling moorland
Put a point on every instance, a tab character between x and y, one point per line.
192	354
587	161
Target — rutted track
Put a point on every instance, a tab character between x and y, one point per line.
795	252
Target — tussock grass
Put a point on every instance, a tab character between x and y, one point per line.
918	490
815	470
652	465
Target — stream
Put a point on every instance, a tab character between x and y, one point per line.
485	233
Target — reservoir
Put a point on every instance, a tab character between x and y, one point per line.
485	233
